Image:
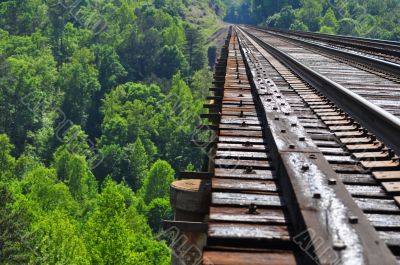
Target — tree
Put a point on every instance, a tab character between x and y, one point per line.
28	97
196	53
283	19
171	60
157	181
7	162
298	25
329	22
78	80
117	234
138	164
73	170
346	26
14	226
158	210
58	241
47	194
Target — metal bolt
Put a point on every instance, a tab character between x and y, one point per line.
276	118
302	139
247	144
252	209
240	95
283	131
275	108
353	219
287	114
339	245
292	146
293	124
332	181
317	195
249	170
243	124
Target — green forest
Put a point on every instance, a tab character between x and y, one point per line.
98	105
367	18
99	101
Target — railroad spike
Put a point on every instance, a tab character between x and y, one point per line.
252	209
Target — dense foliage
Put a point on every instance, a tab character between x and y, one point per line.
369	18
98	103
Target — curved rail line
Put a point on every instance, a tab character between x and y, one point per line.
294	176
387	50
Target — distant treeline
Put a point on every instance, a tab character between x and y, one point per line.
369	18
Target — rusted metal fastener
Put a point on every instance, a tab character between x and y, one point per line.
339	245
252	209
317	195
305	167
247	144
241	103
240	95
241	115
332	181
244	124
391	152
249	170
353	219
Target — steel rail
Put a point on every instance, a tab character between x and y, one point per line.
381	46
380	122
374	63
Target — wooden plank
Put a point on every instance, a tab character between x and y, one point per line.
264	216
245	199
248	258
392	187
380	164
239	173
248	231
386	175
241	163
243	185
242	155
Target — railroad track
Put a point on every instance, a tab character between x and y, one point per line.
293	177
380	49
